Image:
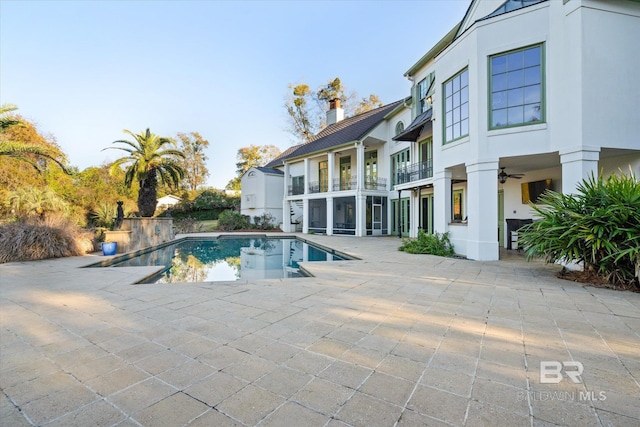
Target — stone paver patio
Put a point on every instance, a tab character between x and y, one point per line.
391	339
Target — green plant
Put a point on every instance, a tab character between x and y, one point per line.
232	220
599	226
432	244
33	238
265	221
187	225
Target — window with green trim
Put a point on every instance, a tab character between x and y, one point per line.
516	88
456	106
456	212
323	175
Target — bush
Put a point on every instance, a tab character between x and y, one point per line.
265	221
599	227
431	244
36	238
187	225
232	220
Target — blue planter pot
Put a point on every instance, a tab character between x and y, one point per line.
109	248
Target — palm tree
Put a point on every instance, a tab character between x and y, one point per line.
23	151
151	158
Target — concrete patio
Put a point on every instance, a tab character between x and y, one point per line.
391	339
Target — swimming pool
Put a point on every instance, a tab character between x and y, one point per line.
227	259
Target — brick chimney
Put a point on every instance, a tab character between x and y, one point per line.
335	113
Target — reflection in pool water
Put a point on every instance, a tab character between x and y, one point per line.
229	259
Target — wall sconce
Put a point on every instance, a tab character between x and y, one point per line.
430	99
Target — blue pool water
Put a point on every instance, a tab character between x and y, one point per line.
228	259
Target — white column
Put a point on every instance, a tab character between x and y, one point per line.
329	216
578	164
441	201
482	211
305	216
361	215
331	165
286	205
307	175
360	166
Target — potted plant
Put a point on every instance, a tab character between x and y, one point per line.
109	248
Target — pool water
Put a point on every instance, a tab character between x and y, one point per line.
229	259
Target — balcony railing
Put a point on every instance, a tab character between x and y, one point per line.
318	187
374	183
414	172
342	185
296	189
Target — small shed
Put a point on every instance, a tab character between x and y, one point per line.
262	193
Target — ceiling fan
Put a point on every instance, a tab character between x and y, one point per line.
502	176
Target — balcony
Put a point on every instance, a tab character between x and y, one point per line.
296	189
318	187
343	185
375	183
414	172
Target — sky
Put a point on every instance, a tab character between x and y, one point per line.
84	71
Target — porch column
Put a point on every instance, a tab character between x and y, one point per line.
307	175
329	216
360	166
286	205
482	209
331	165
441	201
361	215
305	216
578	164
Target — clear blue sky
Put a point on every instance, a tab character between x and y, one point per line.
86	70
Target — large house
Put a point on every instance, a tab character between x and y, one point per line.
519	97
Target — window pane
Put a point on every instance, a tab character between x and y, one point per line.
456	83
464	127
448	88
456	99
515	97
464	94
532	75
456	115
532	94
533	113
456	131
498	64
449	133
448	103
499	82
515	79
450	118
464	111
532	56
515	115
499	100
499	118
514	61
464	78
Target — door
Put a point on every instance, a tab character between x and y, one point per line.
377	220
426	213
402	216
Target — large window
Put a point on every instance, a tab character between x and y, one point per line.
371	170
456	106
516	88
323	175
399	167
297	185
345	173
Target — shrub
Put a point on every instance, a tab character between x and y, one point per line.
599	227
232	220
431	244
265	221
187	225
36	238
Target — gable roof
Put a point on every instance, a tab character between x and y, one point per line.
348	130
480	10
268	170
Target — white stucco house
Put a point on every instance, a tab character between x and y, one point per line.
167	201
262	192
520	96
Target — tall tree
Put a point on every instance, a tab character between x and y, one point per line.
306	110
368	104
248	157
152	159
20	140
194	165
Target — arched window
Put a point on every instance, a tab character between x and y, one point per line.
399	128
